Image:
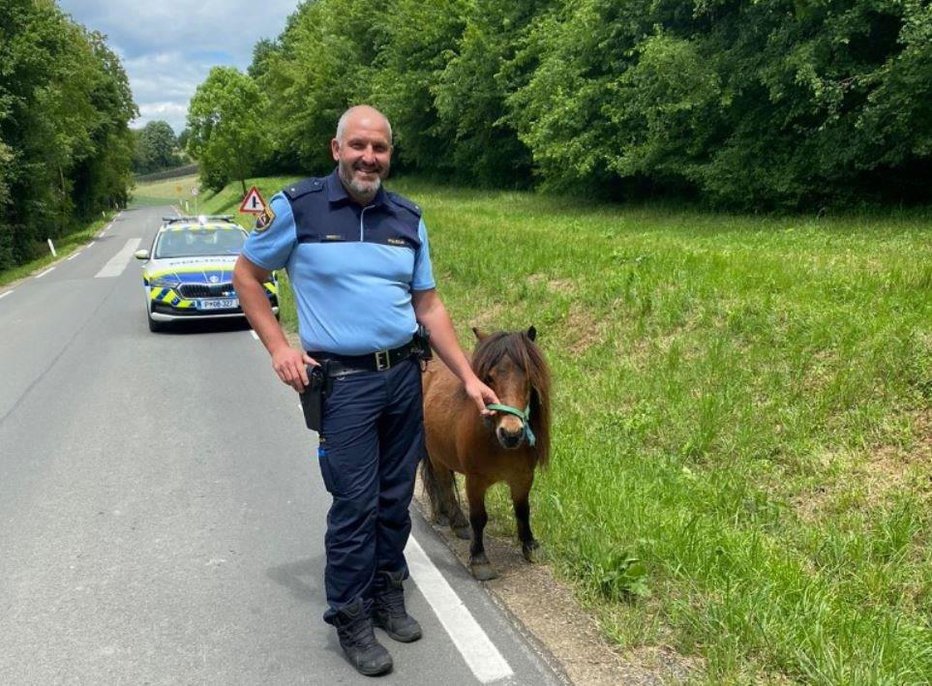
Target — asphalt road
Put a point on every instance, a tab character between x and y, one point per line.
162	514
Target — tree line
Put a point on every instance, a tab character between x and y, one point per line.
65	145
156	148
772	104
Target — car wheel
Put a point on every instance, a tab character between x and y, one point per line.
155	326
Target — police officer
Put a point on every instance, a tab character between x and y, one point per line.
358	260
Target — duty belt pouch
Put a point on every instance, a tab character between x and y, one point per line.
312	399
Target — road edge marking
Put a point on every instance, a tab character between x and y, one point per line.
481	655
50	269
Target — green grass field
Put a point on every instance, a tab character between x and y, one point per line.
742	464
175	191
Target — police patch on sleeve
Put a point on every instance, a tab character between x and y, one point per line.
264	220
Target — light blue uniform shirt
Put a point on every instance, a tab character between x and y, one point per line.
352	269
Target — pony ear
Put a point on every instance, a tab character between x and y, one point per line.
532	333
479	334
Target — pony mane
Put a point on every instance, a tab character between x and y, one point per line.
528	356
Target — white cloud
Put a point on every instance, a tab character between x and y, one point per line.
163	86
171	112
168	46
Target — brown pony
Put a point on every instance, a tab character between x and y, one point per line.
506	447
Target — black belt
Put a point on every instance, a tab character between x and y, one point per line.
378	361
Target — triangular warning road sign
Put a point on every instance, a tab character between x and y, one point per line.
253	202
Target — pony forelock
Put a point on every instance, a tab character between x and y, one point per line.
528	356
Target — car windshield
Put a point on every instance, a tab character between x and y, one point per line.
200	241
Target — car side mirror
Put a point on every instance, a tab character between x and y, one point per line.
141	254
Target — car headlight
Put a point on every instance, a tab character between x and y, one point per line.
164	282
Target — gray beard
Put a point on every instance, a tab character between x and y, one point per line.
365	190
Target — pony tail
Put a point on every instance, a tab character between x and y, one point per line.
428	476
429	480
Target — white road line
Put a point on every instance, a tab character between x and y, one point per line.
3	295
73	256
50	269
254	334
118	262
474	645
91	243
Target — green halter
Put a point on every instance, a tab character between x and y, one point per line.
524	415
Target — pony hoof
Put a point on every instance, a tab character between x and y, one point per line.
483	572
463	532
530	551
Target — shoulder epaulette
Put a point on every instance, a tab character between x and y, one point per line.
405	203
296	190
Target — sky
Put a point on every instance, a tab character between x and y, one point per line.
168	46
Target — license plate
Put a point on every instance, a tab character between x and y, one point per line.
217	304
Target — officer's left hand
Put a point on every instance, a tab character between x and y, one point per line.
482	395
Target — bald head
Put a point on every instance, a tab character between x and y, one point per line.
363	150
359	113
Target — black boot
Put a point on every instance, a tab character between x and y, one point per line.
389	608
354	627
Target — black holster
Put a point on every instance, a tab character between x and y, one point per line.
312	398
422	344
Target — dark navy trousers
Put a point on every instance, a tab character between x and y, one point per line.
371	439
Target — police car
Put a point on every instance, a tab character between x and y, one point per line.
188	272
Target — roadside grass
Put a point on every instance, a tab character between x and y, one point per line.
166	192
742	464
229	199
64	246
